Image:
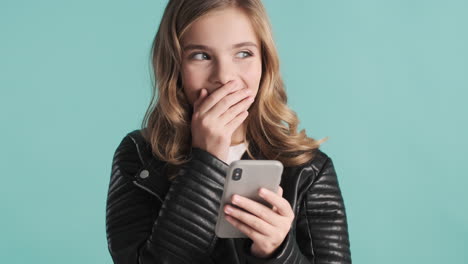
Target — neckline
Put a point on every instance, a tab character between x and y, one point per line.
238	145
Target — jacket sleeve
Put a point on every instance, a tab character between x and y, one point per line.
184	220
321	233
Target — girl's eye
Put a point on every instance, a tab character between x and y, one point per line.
204	56
199	56
246	54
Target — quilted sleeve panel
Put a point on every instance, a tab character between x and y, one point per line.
180	229
129	210
326	218
186	222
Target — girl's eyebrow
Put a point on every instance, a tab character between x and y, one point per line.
203	47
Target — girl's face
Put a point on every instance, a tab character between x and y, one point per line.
219	47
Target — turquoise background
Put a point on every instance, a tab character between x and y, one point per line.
385	80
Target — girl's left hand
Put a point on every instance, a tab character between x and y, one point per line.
266	227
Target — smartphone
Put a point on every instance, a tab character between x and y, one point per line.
245	177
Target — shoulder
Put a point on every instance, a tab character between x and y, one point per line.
131	144
319	161
127	155
133	151
316	166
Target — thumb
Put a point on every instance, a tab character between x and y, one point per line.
280	193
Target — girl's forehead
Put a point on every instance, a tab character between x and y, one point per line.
224	27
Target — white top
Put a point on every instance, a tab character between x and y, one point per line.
236	152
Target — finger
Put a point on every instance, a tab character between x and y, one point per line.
200	98
236	122
251	233
230	101
261	211
250	220
282	205
236	109
275	209
280	193
220	93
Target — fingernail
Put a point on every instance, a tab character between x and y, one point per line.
235	199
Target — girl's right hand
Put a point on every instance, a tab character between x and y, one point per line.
217	116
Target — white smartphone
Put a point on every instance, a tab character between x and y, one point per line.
245	177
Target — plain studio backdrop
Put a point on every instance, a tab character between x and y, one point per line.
387	81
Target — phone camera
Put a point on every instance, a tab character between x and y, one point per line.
237	174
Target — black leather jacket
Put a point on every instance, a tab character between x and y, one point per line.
152	220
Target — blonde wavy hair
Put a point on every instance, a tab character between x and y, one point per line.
271	124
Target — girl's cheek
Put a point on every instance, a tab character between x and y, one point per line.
191	83
252	72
